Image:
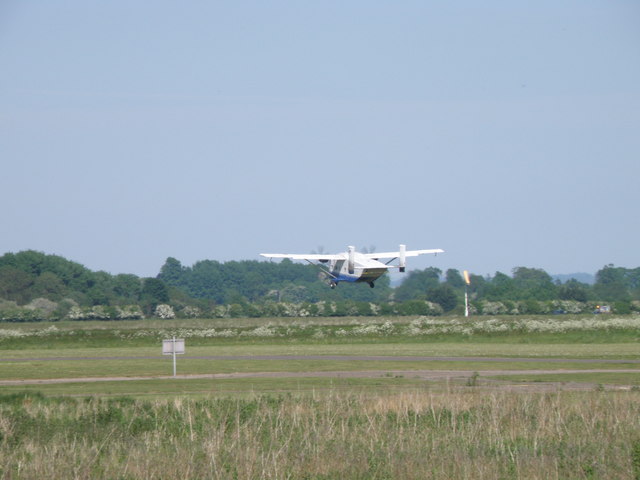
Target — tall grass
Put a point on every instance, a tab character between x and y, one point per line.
458	434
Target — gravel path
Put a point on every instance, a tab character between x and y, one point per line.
426	375
342	358
485	377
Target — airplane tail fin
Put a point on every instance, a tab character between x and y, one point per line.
352	260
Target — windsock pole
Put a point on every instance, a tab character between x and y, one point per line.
466	293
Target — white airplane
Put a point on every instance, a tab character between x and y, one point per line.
352	266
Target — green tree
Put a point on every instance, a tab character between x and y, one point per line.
477	285
417	284
612	284
127	288
154	292
500	287
100	290
15	284
48	285
572	289
444	295
172	273
533	283
453	278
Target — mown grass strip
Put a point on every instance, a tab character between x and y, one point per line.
188	366
225	387
613	378
569	350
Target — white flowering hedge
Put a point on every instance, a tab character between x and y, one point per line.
412	307
101	312
324	309
485	307
420	327
164	311
14	333
42	309
423	326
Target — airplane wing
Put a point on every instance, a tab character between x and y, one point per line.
324	257
407	253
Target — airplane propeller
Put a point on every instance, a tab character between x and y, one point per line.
369	249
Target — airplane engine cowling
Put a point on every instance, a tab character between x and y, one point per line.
403	258
352	260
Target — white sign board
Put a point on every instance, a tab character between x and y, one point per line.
173	346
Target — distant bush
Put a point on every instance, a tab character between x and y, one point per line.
164	311
100	312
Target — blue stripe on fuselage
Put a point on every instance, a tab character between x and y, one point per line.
346	278
368	275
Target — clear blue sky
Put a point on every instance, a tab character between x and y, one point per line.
506	133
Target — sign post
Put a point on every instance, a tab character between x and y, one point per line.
173	346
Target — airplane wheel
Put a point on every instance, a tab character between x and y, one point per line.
332	285
371	284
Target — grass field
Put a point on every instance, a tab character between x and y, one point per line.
335	435
322	399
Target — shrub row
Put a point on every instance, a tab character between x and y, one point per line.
42	309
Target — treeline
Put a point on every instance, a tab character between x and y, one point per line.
36	286
527	290
255	282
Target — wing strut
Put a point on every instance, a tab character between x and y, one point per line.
326	272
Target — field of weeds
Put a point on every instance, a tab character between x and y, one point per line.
524	329
409	435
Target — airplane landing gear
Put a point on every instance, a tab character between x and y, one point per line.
332	285
371	284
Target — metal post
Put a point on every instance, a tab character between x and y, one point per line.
170	347
174	356
466	302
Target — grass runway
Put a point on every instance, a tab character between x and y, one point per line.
293	349
378	403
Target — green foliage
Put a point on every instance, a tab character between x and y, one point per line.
30	276
574	290
416	307
418	283
15	284
635	459
501	287
342	434
27	275
35	286
127	287
154	292
531	307
533	283
472	381
453	278
256	282
49	285
617	283
443	295
623	308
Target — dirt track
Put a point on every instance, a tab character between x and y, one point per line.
484	377
342	358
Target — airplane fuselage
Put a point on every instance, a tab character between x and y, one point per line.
352	266
364	270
